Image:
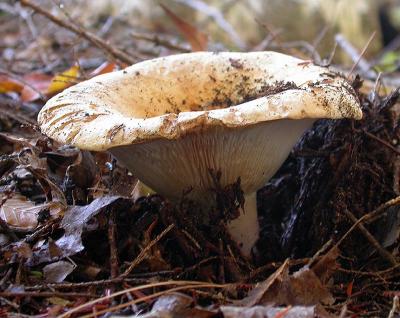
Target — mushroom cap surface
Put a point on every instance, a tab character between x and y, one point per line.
170	97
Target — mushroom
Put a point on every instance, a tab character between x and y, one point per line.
170	120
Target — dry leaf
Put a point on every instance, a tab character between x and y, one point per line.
22	215
275	312
106	67
58	271
63	80
8	84
38	85
176	305
302	288
74	221
327	265
197	39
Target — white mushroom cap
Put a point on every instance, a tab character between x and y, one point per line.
171	96
171	119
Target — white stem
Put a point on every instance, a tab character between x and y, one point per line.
245	229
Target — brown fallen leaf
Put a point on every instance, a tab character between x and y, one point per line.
58	271
302	288
327	265
22	215
197	39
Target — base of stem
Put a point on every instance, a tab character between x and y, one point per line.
245	229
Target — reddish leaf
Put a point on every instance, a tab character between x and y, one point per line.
349	289
38	85
197	39
106	67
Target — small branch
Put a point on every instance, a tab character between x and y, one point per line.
144	251
44	294
356	57
160	42
383	142
94	283
97	41
362	53
370	217
112	229
217	16
384	253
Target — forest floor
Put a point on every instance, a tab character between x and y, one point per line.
77	241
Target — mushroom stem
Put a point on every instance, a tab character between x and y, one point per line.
245	229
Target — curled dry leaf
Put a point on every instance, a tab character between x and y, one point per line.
22	215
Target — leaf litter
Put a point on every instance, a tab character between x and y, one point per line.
73	222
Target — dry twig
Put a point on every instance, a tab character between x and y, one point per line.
97	41
384	253
143	253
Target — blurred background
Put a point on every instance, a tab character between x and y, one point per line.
310	28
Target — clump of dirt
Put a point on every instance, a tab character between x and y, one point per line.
338	167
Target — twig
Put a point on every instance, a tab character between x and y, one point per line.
151	296
384	253
160	42
144	251
95	283
362	53
275	265
197	265
112	228
97	41
23	81
137	288
370	217
383	142
331	55
221	274
217	16
380	211
44	294
319	252
357	58
32	237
